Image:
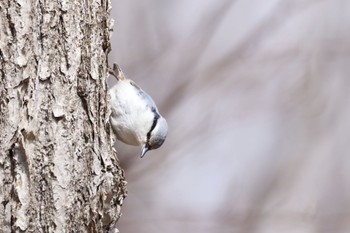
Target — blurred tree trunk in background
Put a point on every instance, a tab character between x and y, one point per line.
58	170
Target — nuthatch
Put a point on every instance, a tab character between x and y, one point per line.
135	118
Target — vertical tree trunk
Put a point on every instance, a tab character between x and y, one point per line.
58	169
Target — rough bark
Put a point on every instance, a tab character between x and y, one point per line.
58	169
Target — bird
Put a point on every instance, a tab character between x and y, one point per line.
135	118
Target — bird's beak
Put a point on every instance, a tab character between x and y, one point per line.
144	149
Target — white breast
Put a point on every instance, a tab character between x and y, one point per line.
131	118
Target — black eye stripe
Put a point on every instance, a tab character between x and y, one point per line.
155	120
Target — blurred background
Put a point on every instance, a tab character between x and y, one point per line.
257	98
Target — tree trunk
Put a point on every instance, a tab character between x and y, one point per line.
58	169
